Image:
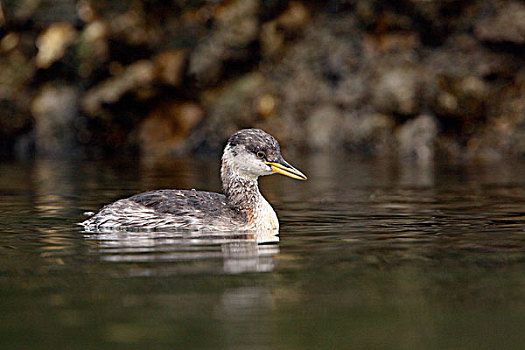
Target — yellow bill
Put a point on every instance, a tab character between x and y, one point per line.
286	169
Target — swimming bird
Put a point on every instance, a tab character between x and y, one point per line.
248	154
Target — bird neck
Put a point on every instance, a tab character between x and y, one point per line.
242	192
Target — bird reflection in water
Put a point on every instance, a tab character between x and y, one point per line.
187	251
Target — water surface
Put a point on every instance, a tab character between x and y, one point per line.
371	254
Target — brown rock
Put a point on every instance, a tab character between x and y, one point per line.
323	128
397	91
265	105
230	108
137	75
506	24
54	110
504	133
272	39
390	42
274	33
9	42
368	132
294	17
170	65
92	49
2	17
132	28
236	26
462	98
416	138
53	42
164	130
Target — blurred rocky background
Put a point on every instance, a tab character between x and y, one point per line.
412	79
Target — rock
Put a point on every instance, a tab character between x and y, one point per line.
2	17
164	130
416	138
275	32
272	39
462	55
54	110
53	42
137	75
170	65
323	128
460	81
294	17
433	18
9	42
462	98
16	71
368	132
322	66
505	24
397	91
15	117
92	49
504	134
265	105
229	109
236	26
86	11
132	29
317	75
40	12
390	42
236	103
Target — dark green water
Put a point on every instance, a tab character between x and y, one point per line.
371	255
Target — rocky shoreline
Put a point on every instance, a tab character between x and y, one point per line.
413	79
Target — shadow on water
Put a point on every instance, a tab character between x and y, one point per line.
370	254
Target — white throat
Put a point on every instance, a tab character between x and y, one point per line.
241	187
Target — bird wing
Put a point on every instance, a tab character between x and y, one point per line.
186	202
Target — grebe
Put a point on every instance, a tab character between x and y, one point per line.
249	153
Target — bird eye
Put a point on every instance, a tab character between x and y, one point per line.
261	154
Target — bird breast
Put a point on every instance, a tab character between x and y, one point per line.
263	217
